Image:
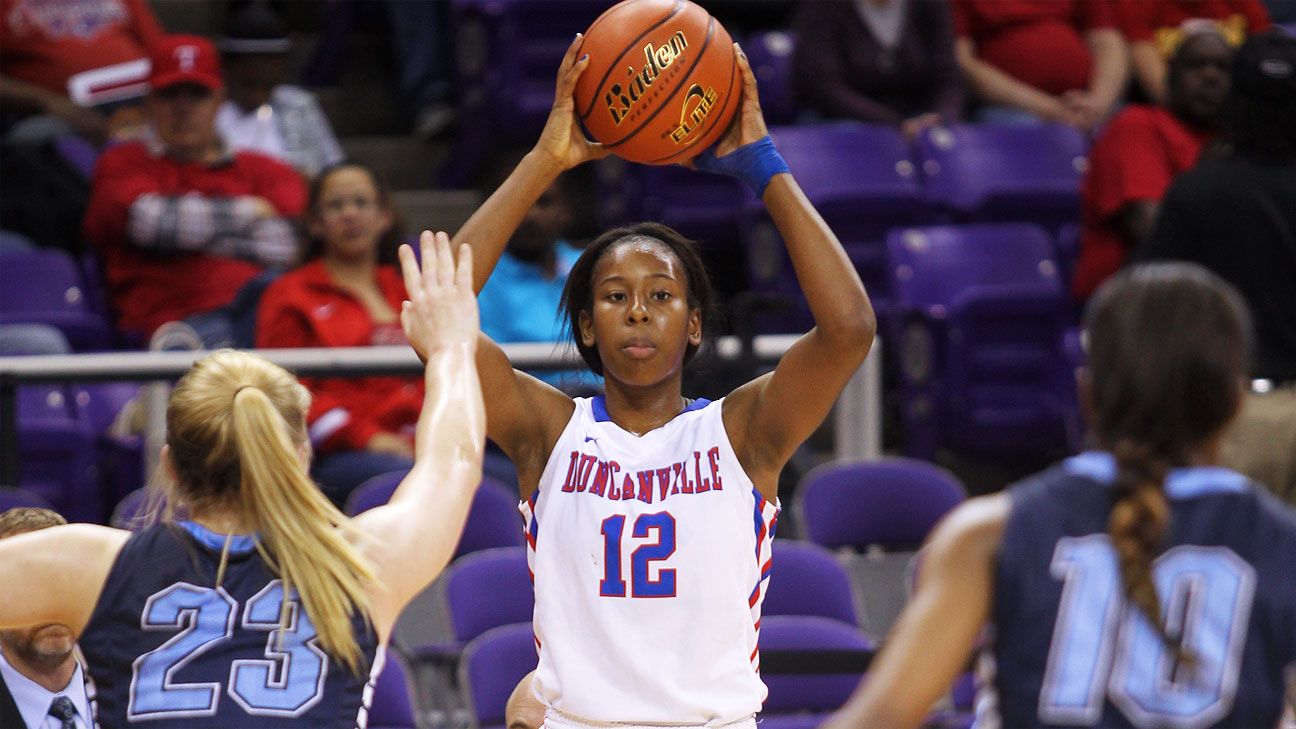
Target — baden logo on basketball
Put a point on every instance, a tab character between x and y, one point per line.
620	102
662	80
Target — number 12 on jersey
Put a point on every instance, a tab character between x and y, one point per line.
655	536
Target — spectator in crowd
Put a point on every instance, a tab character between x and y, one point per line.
1236	215
1139	153
880	61
263	114
41	683
1155	28
1056	60
348	294
43	43
181	222
519	302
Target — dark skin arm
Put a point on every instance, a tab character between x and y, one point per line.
1138	217
769	417
525	416
938	629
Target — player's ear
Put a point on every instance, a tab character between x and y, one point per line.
586	328
166	464
695	327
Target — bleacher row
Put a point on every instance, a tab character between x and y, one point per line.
467	640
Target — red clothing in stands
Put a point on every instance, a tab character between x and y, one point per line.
46	41
153	282
1136	158
305	308
1159	20
1038	42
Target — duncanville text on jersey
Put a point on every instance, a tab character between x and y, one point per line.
696	474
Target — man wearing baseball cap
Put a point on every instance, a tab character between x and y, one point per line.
180	221
1236	215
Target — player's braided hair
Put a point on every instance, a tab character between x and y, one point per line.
1168	345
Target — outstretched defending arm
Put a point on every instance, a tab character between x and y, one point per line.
411	538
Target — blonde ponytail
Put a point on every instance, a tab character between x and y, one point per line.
298	526
235	424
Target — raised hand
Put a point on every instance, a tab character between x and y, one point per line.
441	310
562	139
748	124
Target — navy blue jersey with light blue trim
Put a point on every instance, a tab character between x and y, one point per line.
166	648
1067	650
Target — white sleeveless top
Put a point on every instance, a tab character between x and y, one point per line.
650	556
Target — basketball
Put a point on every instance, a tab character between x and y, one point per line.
662	82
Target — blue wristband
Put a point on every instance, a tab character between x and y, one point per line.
755	163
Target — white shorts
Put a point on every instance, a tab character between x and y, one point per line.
555	719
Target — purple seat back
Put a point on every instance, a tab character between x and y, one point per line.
492	665
488	589
78	152
12	498
100	402
770	56
391	707
44	286
1005	172
931	266
57	453
808	580
493	520
892	502
798	693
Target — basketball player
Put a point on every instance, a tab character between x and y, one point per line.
649	515
266	607
1140	585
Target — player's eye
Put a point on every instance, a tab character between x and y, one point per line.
661	295
615	296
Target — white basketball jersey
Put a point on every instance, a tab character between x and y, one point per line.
650	556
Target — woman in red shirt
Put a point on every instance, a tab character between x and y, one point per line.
348	294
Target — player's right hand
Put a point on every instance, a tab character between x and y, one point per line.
441	311
562	139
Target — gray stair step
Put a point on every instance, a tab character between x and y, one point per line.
404	161
435	210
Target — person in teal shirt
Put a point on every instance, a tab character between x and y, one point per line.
520	300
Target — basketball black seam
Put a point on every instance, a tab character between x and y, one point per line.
665	102
675	10
733	68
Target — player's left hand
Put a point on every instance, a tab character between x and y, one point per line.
441	310
748	124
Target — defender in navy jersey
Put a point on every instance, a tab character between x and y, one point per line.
1135	586
265	606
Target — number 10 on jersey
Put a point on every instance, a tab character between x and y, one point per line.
651	539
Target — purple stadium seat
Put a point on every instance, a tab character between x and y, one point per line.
12	498
807	700
121	457
44	286
506	54
892	502
1068	250
860	178
78	152
770	56
492	665
808	580
488	589
1005	172
391	707
57	453
493	521
980	310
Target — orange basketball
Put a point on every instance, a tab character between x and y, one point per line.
662	82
